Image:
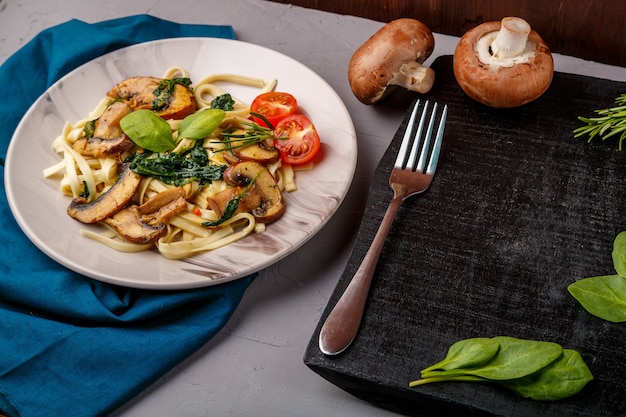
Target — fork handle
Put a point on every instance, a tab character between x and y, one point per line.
343	322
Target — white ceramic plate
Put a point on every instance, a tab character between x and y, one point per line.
40	209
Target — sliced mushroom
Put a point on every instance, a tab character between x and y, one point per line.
166	212
392	57
127	223
138	92
147	223
108	203
108	139
263	199
258	152
162	199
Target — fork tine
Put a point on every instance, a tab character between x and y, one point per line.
429	133
416	141
401	159
432	166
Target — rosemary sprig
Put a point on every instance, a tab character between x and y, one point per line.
253	134
609	123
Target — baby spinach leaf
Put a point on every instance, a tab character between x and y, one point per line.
466	353
563	378
534	369
516	358
148	130
603	296
200	124
619	254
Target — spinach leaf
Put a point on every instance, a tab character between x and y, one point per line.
534	369
200	124
619	254
515	358
178	168
224	102
467	353
603	296
563	378
164	91
148	130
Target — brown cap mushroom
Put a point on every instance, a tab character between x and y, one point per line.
503	64
392	57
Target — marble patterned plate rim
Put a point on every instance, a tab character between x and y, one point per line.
40	209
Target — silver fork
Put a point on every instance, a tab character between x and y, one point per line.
409	176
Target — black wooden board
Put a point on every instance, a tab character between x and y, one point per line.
517	211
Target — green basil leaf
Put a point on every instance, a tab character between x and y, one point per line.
603	296
148	130
619	254
563	378
200	124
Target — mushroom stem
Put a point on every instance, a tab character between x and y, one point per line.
511	39
511	44
413	76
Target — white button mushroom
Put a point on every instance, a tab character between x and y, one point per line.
392	57
503	64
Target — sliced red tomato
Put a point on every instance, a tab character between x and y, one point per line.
297	140
274	106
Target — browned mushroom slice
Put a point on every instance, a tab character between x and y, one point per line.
219	201
128	224
258	152
143	227
166	212
108	203
138	92
108	139
108	124
263	199
161	199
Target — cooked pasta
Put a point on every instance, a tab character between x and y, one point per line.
186	232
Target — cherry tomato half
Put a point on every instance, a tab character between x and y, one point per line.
297	140
274	106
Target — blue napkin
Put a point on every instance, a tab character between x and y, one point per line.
70	345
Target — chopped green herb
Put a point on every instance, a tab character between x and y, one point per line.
224	102
90	128
85	191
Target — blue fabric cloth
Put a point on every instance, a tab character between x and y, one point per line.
70	345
